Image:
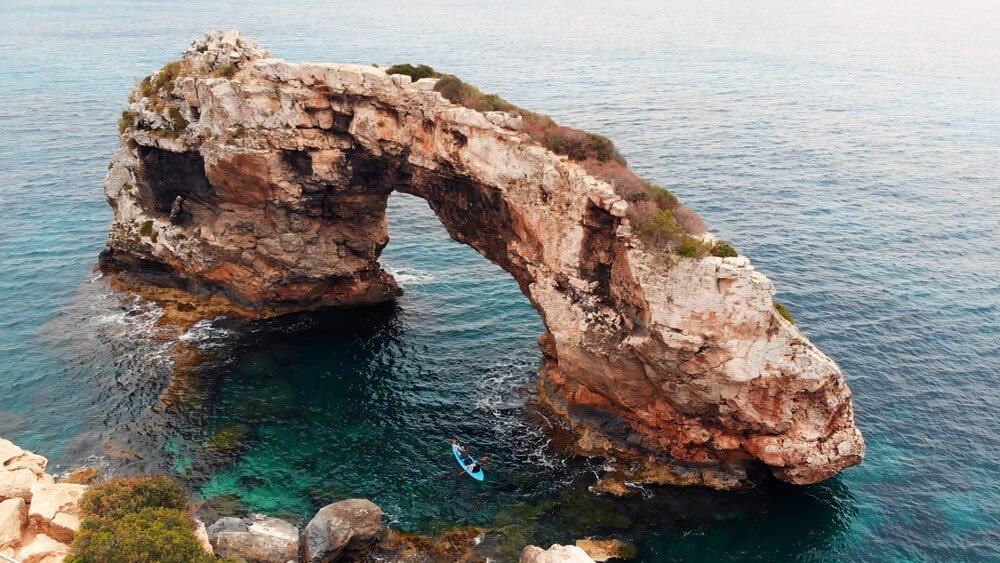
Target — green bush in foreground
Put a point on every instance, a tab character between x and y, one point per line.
129	495
783	311
165	535
137	519
146	228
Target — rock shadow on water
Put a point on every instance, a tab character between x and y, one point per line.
781	522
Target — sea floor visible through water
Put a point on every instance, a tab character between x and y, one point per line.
851	151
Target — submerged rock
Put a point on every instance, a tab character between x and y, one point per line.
284	170
343	529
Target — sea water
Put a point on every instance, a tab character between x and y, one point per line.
851	150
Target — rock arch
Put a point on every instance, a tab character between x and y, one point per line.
266	182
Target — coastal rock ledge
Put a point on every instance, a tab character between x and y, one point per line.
264	182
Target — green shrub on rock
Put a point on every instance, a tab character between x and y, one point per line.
414	72
692	247
784	312
136	519
723	250
165	535
129	495
127	121
661	226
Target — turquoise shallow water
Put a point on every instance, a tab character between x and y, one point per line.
852	152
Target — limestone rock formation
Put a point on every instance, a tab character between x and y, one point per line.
38	517
265	182
341	530
603	550
555	554
256	539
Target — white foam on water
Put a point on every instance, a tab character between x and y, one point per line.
410	276
206	334
502	395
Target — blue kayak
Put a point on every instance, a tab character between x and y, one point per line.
478	475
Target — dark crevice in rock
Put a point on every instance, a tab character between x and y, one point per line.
171	174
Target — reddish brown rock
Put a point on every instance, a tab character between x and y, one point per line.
284	169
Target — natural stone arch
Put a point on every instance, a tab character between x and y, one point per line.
283	172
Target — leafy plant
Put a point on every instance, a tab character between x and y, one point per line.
146	228
127	121
722	249
692	247
659	226
414	72
127	495
227	70
136	519
783	311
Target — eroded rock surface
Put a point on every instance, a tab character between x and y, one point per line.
265	182
343	530
255	539
38	517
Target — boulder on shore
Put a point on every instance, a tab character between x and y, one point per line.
602	550
346	528
555	554
255	539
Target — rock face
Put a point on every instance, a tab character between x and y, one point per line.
256	539
263	181
54	509
341	530
38	517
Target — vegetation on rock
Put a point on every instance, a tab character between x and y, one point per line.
658	217
136	519
127	121
227	70
127	495
784	312
722	249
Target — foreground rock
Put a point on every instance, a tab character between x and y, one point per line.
603	550
555	554
55	510
344	529
262	182
256	539
38	517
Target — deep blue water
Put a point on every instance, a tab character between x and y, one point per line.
853	152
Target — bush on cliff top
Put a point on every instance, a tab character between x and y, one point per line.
414	72
136	519
576	144
162	81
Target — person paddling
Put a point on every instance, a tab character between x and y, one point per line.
470	464
473	466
